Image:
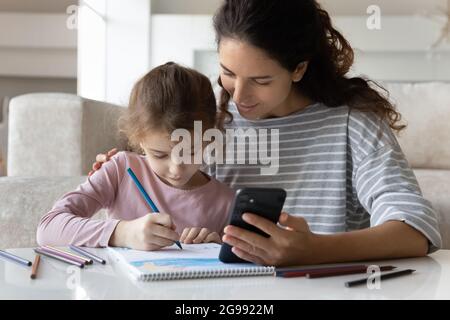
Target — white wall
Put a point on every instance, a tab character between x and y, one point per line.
334	7
114	48
92	49
125	40
177	37
127	46
400	51
185	6
37	45
397	52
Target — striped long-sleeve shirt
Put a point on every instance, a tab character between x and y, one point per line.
342	168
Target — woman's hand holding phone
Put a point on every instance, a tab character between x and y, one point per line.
266	204
291	245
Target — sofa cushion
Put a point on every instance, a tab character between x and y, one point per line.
61	132
435	185
22	203
425	109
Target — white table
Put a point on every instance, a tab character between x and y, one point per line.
57	280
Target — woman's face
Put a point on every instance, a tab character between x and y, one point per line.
258	84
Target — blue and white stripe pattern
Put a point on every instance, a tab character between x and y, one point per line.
342	169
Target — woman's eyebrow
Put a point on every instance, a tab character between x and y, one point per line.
255	78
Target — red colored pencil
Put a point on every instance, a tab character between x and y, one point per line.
303	272
328	272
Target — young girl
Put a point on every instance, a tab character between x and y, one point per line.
351	193
191	203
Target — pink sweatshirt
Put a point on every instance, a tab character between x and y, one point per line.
69	221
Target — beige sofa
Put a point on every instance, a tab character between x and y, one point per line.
53	140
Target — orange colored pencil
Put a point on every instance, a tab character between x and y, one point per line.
34	270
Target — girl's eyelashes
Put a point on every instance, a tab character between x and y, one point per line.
162	156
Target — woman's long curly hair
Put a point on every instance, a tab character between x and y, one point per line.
296	31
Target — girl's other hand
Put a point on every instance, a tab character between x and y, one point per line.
199	235
102	158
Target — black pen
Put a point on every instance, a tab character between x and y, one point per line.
384	276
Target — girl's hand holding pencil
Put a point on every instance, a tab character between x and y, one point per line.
150	232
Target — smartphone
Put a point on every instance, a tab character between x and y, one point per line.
265	202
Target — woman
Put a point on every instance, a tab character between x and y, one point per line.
351	193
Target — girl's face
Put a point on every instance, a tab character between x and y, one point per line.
158	148
258	84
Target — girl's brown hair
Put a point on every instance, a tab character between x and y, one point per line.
169	97
295	31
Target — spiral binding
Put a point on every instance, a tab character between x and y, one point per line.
212	273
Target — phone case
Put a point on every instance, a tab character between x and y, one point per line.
265	202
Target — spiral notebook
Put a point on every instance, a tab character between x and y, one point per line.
194	261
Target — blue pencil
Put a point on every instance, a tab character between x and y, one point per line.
146	197
15	258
